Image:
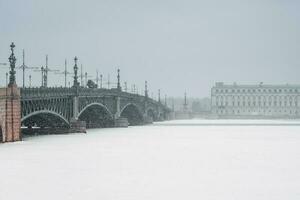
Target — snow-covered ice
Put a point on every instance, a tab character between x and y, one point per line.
168	160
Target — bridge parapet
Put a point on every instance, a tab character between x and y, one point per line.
30	93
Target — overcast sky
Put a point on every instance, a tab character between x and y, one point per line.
175	45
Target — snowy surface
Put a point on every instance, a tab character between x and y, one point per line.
156	162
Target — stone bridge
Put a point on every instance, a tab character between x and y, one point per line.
60	110
74	109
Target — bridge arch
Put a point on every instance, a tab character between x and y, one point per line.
96	115
44	118
96	104
133	114
151	113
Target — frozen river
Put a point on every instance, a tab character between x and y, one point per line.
171	160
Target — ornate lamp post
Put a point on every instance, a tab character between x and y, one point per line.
159	95
146	89
119	85
75	83
12	60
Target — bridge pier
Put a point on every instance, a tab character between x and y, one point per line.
121	122
10	114
148	119
77	126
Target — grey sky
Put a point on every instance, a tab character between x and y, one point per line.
175	45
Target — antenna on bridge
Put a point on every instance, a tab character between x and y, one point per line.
81	75
45	73
101	79
65	73
97	78
24	67
146	89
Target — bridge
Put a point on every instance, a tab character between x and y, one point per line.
73	109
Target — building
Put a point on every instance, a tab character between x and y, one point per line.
255	101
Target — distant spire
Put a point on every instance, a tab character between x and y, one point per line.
185	102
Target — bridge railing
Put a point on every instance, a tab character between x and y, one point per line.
49	92
39	92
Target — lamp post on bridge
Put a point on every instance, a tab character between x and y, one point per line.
75	83
118	84
86	79
146	89
29	80
101	79
125	86
159	95
12	60
165	100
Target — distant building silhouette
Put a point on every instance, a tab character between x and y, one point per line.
255	101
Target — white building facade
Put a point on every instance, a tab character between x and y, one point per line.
266	101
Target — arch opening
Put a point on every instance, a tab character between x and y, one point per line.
151	114
133	115
96	116
44	122
1	135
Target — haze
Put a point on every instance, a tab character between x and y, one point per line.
175	45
